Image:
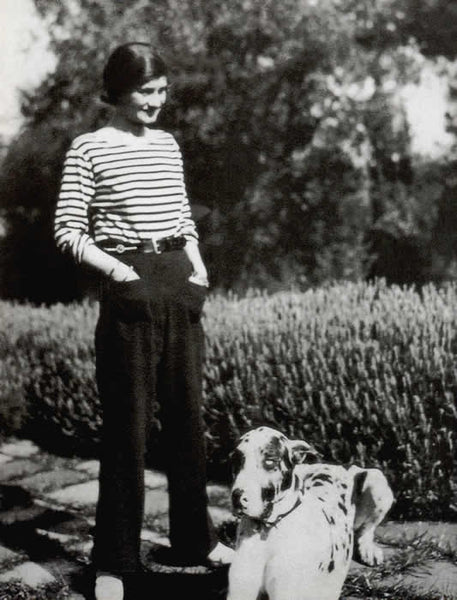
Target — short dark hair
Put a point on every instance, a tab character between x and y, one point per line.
128	67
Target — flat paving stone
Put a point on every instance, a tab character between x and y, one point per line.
158	523
220	515
84	548
147	535
19	468
435	577
19	449
89	466
444	535
156	502
219	495
154	479
71	526
215	490
62	538
82	494
28	573
7	555
71	543
52	480
21	514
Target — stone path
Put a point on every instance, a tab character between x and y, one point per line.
47	506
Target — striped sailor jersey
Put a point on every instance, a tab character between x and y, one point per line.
116	186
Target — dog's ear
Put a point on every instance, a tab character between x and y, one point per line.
300	452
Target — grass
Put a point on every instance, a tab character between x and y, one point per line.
409	555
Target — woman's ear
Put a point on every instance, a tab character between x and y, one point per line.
300	452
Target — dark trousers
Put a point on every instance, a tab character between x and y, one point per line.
149	351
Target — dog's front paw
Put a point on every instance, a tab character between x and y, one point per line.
367	552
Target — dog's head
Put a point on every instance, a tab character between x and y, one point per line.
263	464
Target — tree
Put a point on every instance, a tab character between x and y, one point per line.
288	120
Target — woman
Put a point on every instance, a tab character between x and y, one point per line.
123	210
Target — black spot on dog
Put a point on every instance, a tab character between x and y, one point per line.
342	508
236	499
331	566
322	477
273	447
330	519
268	493
287	481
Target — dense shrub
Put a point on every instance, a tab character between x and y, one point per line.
366	372
47	367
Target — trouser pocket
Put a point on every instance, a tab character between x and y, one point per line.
130	300
194	297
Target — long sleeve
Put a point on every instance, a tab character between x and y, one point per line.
71	223
186	224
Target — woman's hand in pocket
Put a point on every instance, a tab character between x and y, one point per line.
199	278
122	273
129	295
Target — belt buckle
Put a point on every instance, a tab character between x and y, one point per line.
155	244
120	248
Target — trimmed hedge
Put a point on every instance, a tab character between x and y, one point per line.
366	372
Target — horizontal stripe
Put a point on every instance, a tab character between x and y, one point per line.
120	187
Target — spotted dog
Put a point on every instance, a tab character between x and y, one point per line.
300	524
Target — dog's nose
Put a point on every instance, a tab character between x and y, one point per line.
239	500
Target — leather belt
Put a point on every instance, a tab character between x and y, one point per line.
158	246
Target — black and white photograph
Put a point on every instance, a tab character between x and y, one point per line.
228	300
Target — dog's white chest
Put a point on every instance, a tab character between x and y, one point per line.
310	549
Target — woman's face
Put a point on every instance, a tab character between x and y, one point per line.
142	106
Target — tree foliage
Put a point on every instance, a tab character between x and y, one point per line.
288	118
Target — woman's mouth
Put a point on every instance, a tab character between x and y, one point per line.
151	111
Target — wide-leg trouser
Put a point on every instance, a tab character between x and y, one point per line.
149	351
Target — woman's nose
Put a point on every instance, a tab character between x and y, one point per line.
156	99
